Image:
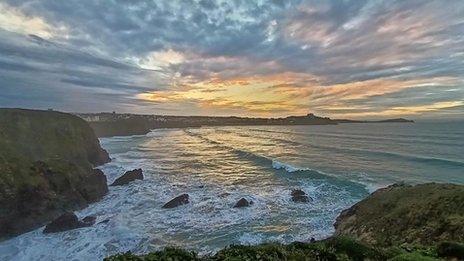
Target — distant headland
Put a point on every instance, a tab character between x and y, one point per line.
115	124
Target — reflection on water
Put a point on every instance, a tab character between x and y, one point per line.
336	165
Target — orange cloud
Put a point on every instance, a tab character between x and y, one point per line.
294	93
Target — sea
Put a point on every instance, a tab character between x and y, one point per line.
336	165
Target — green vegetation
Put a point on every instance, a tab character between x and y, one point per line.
46	166
336	248
402	214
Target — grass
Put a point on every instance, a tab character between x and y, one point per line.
336	248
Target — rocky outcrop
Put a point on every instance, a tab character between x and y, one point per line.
243	203
299	195
422	214
47	162
177	201
128	177
68	221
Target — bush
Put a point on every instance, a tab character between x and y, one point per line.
171	254
412	257
451	250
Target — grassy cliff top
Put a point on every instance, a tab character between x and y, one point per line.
422	214
42	135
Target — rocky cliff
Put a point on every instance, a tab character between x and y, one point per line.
402	214
47	162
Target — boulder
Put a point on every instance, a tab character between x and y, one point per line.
128	177
299	195
225	194
177	201
89	221
104	221
243	203
68	221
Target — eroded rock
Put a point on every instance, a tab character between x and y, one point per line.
128	177
89	220
68	221
243	203
177	201
299	195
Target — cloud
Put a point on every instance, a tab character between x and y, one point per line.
358	58
14	20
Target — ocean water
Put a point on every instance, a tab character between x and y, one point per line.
336	165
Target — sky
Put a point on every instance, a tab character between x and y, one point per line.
357	59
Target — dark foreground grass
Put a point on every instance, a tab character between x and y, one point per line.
337	248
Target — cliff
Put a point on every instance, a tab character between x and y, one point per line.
47	162
402	214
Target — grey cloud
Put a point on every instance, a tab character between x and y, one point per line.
425	41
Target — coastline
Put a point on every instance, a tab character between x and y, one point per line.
120	216
113	124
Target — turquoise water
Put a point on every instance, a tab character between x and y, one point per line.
336	165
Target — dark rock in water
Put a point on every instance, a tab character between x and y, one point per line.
225	194
104	221
177	201
128	177
299	195
89	220
243	203
67	221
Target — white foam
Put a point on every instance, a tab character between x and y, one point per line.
287	167
139	224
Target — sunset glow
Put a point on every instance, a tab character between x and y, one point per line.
340	59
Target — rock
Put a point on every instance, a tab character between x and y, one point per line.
65	222
243	203
177	201
96	186
104	221
225	194
68	221
89	221
299	195
128	177
47	166
402	214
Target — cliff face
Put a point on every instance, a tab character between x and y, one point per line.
46	167
422	214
